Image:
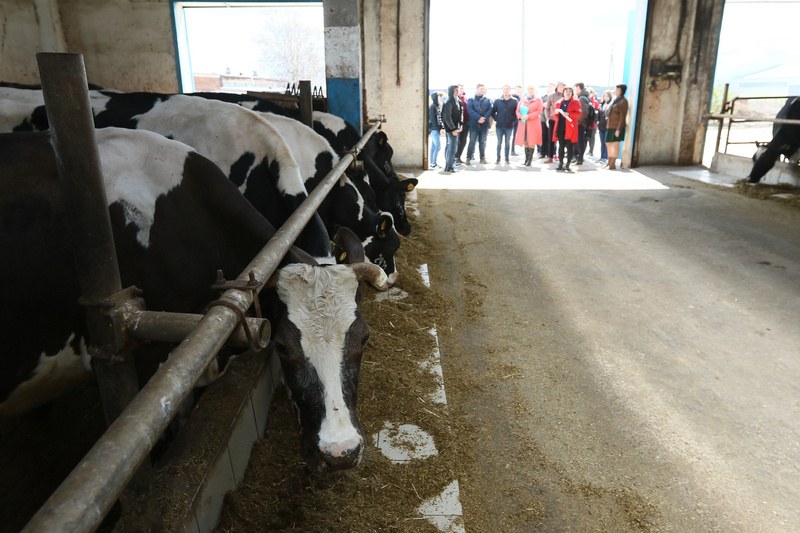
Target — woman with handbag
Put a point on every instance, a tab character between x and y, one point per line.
529	130
616	116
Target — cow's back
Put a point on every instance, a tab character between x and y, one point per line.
176	220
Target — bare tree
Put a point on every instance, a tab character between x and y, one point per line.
292	46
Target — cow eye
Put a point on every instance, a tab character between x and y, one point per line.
281	349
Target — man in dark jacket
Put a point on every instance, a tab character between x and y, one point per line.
584	98
504	112
451	117
480	110
464	135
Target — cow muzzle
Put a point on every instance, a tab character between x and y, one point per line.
342	456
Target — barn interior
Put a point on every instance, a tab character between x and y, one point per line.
376	56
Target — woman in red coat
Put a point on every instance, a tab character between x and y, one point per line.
529	130
566	112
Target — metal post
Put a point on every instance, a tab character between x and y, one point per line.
306	106
719	131
69	112
82	500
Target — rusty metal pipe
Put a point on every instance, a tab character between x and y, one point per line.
174	327
69	113
83	499
66	96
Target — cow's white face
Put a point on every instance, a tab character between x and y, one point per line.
320	344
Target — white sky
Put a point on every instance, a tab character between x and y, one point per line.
480	41
224	37
561	44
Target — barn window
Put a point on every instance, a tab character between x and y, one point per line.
232	46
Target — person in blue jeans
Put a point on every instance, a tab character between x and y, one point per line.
504	112
436	126
608	96
451	118
479	109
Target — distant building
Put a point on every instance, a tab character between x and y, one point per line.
781	80
240	84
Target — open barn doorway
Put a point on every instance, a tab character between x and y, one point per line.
244	46
759	59
604	48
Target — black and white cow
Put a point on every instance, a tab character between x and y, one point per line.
785	141
380	176
176	220
380	185
256	156
344	206
252	154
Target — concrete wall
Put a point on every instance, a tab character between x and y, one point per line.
126	44
402	99
129	45
677	72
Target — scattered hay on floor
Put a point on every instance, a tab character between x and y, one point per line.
782	193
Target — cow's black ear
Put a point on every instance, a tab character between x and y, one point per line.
406	185
385	224
347	248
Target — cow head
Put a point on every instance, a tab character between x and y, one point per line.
381	246
380	151
390	191
390	194
320	340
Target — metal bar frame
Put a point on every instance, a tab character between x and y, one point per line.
745	118
84	498
727	112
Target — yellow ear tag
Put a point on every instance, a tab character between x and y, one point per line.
383	226
410	186
342	256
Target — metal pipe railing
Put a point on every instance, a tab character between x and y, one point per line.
747	118
84	498
727	112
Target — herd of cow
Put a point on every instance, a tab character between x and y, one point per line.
195	184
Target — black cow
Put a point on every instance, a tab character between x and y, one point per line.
785	140
176	220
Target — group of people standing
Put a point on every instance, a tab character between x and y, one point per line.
568	116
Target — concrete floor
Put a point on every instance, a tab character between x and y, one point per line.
650	323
